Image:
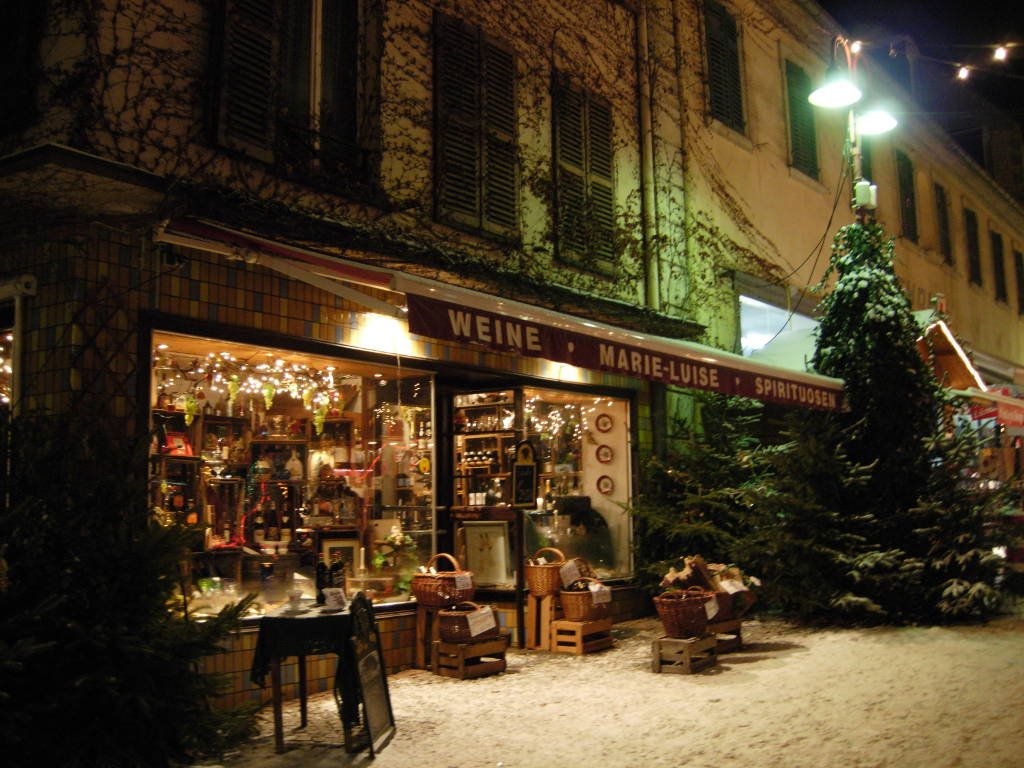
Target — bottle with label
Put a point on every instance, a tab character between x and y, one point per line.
273	522
321	579
336	573
258	532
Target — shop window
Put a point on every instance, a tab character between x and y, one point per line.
942	217
296	86
300	470
584	190
998	266
724	84
6	368
973	246
476	175
803	143
908	197
574	497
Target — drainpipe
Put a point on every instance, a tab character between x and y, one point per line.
17	288
648	213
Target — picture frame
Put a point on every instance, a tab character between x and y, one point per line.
487	551
177	444
348	548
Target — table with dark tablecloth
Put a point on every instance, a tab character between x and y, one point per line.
286	633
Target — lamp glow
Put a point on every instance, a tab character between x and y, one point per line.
874	122
837	91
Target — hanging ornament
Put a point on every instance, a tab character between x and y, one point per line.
232	390
268	389
319	416
307	398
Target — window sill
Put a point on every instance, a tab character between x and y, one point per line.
739	138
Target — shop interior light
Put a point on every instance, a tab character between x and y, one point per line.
837	90
875	121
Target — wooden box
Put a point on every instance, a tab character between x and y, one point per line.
581	636
685	655
468	660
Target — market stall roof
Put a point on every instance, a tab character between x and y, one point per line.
952	365
448	312
1006	410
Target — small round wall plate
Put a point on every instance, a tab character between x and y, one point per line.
604	454
605	484
603	423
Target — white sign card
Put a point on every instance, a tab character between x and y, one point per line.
711	607
569	572
480	621
732	586
599	593
463	581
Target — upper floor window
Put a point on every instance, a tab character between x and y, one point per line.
803	144
1018	267
291	91
908	197
942	218
973	246
584	206
476	174
21	27
724	85
998	268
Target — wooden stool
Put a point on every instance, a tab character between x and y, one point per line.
427	633
729	632
467	660
581	636
540	612
684	655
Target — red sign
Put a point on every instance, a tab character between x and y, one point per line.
685	368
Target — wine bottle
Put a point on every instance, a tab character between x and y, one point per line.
321	579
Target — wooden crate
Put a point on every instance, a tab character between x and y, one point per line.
540	612
581	636
684	655
468	660
428	628
729	633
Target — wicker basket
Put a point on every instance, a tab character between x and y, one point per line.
580	606
545	579
682	612
453	624
439	589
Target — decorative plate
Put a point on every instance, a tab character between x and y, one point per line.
605	484
604	454
603	423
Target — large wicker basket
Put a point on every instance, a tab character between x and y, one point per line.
545	579
580	606
682	611
453	624
441	589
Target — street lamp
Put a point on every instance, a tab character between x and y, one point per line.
840	90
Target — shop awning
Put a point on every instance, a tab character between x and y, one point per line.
1006	410
452	313
455	314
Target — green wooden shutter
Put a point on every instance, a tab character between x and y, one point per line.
602	205
1018	267
998	267
500	187
724	83
570	186
908	197
802	139
973	246
338	99
942	216
247	112
457	122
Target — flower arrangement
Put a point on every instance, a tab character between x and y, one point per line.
397	552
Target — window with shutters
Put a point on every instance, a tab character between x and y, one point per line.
724	84
584	187
292	91
866	165
476	173
942	217
973	246
998	267
803	144
908	198
1018	267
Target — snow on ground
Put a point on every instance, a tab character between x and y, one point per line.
792	697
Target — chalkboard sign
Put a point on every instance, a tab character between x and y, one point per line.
524	476
378	718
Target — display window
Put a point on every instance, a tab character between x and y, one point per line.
301	471
561	459
6	367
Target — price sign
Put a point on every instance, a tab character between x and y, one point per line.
599	593
463	581
482	620
711	607
569	572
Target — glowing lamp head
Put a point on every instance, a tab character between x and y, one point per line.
838	90
874	122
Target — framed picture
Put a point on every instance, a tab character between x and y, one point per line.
524	476
347	549
177	444
487	555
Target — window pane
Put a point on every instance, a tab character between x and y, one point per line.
998	268
908	197
942	217
723	66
